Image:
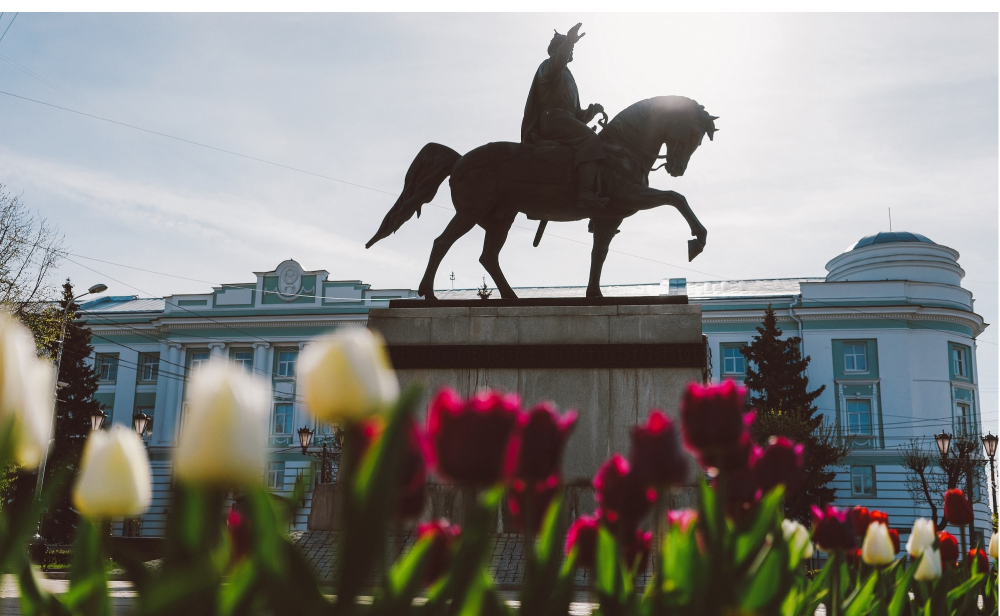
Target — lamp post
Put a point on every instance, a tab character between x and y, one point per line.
305	439
139	423
97	288
97	419
990	445
943	441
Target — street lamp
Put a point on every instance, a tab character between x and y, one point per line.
139	423
943	443
97	419
305	438
990	445
97	288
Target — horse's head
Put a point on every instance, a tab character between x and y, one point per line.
686	124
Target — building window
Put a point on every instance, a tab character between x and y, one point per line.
199	358
286	363
855	357
959	362
276	475
733	362
282	423
963	418
107	367
301	474
244	359
150	411
149	367
863	481
859	417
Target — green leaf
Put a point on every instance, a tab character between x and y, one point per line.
861	600
606	572
766	519
901	596
765	580
407	573
964	589
236	595
88	581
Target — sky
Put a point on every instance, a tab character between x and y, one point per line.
826	122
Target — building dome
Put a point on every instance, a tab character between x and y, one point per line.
889	237
896	255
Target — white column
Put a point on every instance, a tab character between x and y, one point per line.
217	349
125	387
173	372
160	406
261	365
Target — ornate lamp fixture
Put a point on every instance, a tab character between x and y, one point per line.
305	438
97	419
943	443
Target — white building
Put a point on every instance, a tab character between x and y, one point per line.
891	333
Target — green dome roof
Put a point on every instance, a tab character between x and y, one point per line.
890	237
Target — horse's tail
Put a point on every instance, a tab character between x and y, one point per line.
431	166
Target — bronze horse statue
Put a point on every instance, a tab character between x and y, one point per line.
494	182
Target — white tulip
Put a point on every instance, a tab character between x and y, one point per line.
26	391
224	434
798	538
877	548
993	546
115	478
921	538
929	568
347	375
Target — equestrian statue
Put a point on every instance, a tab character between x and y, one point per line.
560	171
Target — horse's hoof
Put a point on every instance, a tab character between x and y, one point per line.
510	295
594	293
694	248
427	294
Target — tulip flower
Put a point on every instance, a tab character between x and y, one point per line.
894	535
26	391
714	421
542	441
832	530
860	518
921	538
797	537
878	516
623	498
636	551
948	547
469	442
443	539
929	568
114	478
238	526
528	503
347	376
412	475
957	509
656	456
993	546
979	559
224	432
782	463
582	535
682	518
876	549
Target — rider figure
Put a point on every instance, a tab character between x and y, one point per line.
553	112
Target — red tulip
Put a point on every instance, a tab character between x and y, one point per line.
861	518
714	421
542	441
683	518
832	530
444	536
623	498
412	476
469	442
980	557
656	456
948	548
894	535
878	516
582	535
783	462
637	550
528	503
238	527
957	509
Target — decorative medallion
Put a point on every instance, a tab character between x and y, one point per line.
289	280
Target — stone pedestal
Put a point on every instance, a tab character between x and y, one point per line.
611	362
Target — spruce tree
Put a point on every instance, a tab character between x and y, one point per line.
74	405
779	391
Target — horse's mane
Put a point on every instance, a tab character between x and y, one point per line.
632	124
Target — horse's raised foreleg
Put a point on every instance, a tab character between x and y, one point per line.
496	235
644	198
604	231
459	226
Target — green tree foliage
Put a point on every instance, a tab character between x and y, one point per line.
73	409
779	390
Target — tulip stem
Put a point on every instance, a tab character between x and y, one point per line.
834	607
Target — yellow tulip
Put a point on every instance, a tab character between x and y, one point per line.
993	546
26	391
347	376
115	478
877	548
224	434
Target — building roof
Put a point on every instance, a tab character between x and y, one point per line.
124	303
889	237
712	289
